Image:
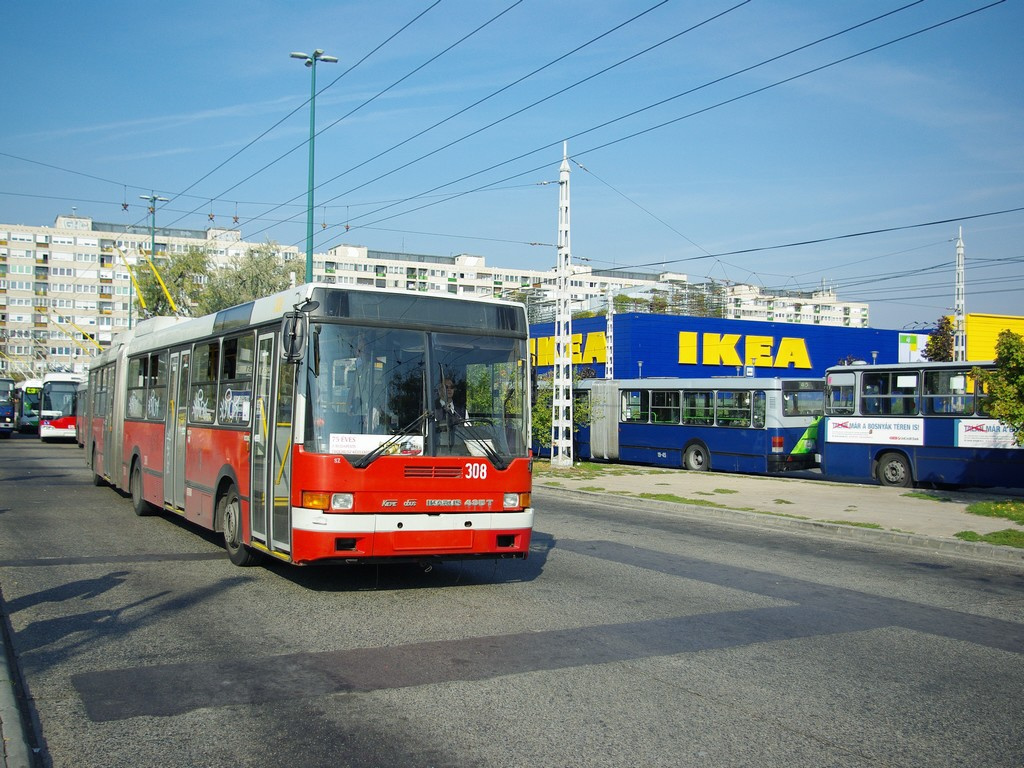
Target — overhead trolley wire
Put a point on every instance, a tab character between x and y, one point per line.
373	98
528	106
300	106
672	98
692	114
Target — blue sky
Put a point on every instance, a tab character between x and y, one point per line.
442	120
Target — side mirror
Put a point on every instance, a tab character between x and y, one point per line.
294	327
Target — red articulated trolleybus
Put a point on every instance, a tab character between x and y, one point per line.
325	424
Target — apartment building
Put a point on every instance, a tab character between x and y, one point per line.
65	290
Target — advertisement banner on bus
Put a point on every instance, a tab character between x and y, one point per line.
984	433
876	431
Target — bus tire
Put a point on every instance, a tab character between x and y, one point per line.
894	470
229	513
97	478
695	458
139	503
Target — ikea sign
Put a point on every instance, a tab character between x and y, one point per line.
711	349
680	346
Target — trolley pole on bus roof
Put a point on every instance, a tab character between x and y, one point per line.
310	61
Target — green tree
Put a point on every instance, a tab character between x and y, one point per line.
259	273
1005	384
939	348
184	275
543	396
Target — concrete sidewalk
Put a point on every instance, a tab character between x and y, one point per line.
916	517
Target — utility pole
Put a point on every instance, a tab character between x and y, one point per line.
960	331
561	394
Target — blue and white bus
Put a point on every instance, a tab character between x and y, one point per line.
735	424
915	423
6	406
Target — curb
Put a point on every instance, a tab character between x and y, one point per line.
16	752
972	549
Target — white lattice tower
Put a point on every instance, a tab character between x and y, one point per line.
609	336
561	400
959	330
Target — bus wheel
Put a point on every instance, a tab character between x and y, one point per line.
97	478
695	457
139	503
894	470
229	512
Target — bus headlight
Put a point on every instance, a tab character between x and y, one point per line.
342	502
516	500
329	502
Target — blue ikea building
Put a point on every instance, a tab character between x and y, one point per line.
680	346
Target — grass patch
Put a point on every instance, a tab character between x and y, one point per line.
874	526
1008	509
1005	538
782	501
594	488
725	490
679	499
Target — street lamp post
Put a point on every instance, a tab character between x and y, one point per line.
152	200
318	55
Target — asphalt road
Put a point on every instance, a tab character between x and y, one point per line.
630	636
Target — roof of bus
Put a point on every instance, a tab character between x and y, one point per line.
924	365
714	382
175	330
63	376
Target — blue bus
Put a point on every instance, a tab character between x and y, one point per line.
734	424
6	406
915	423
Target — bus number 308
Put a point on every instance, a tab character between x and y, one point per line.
476	471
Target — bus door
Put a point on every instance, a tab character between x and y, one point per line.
174	430
270	507
111	445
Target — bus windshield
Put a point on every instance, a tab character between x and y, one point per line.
433	394
59	398
6	390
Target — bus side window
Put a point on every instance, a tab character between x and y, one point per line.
874	391
945	392
760	409
635	406
202	406
698	408
733	408
664	407
138	374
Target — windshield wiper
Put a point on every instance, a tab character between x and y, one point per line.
367	459
466	428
